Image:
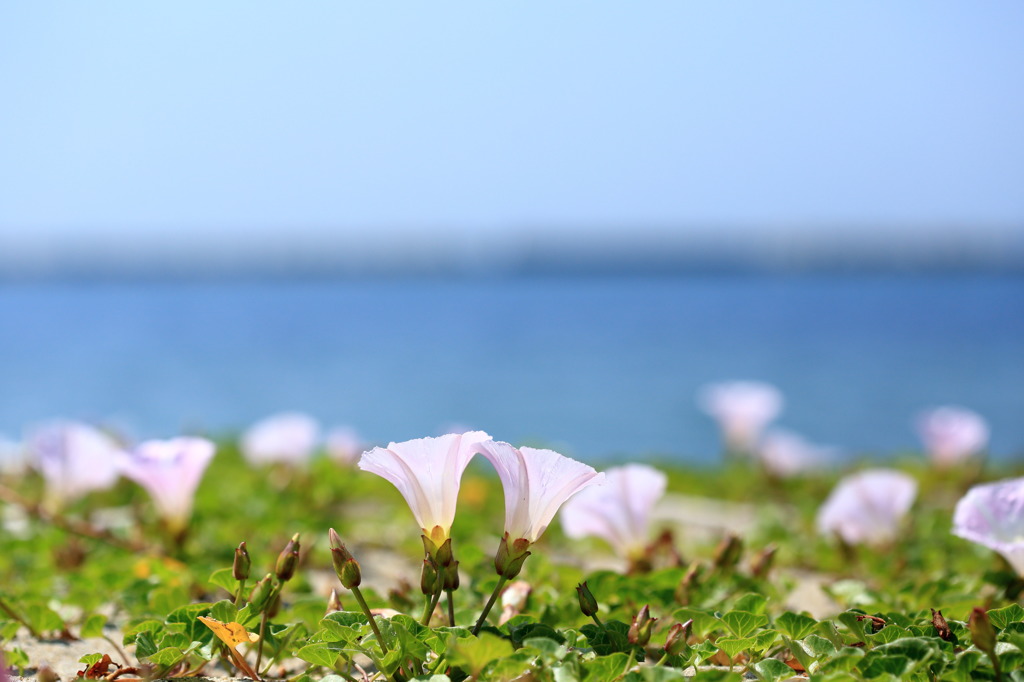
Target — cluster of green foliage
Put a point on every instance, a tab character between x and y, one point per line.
734	598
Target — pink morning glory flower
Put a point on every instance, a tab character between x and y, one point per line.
428	473
993	515
784	453
618	510
867	507
74	459
742	410
952	434
170	471
288	437
536	484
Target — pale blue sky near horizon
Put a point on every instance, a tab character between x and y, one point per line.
247	120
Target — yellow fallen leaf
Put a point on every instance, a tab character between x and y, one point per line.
231	634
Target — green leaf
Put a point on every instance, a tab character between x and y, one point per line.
717	676
772	669
889	633
224	611
704	621
89	659
1013	613
764	640
410	646
743	623
846	659
524	631
93	626
43	618
873	665
606	668
963	666
752	602
649	673
474	653
818	647
320	653
224	577
795	625
167	657
734	645
144	645
614	636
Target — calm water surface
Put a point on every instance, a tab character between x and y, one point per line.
600	367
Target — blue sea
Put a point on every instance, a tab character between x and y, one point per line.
598	367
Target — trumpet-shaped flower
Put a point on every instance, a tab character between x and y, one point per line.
428	472
289	437
618	510
536	484
742	410
74	459
784	453
952	434
170	471
867	507
344	445
993	515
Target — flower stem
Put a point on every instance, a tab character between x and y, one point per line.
373	624
17	617
238	595
451	607
598	621
490	603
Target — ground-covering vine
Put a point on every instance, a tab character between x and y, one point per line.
316	570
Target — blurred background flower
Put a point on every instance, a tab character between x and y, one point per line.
868	507
952	434
993	515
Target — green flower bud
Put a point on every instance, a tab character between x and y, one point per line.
676	641
288	559
428	578
334	602
451	576
588	603
345	565
982	633
508	560
640	629
261	592
727	555
240	567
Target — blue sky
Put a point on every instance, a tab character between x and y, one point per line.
227	121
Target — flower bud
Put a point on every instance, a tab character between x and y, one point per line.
240	567
763	562
288	559
727	555
676	641
982	633
588	603
261	592
428	578
345	565
640	629
334	602
690	581
451	576
508	560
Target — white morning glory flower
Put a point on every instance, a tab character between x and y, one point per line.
618	510
992	515
868	507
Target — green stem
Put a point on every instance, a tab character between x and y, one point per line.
238	595
598	621
259	649
373	624
16	617
451	607
663	659
431	605
490	603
